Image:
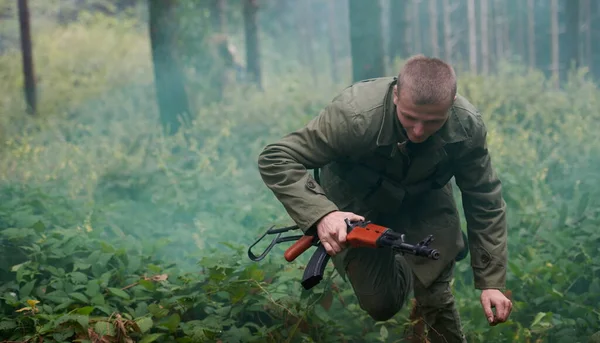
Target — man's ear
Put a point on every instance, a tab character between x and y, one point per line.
395	94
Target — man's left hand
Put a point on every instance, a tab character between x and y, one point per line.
493	298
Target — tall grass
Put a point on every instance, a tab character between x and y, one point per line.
95	161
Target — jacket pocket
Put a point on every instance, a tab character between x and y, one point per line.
480	258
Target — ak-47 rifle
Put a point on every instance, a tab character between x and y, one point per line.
360	234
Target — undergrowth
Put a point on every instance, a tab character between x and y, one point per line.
111	232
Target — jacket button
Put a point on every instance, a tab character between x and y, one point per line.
485	258
310	184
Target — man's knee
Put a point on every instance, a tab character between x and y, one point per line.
381	282
379	308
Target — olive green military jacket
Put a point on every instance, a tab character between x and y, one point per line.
358	127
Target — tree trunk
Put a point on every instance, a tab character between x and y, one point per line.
499	30
168	78
416	22
448	40
217	16
555	34
595	37
306	32
333	40
366	41
531	32
472	36
485	44
27	56
252	48
398	26
570	43
586	41
433	19
520	30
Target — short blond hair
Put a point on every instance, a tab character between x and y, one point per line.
429	80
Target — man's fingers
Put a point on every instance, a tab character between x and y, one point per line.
342	235
487	309
328	248
356	217
331	246
503	311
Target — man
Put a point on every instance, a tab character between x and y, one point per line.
386	149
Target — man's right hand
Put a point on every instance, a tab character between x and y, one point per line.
332	230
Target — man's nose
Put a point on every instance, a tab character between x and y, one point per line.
418	129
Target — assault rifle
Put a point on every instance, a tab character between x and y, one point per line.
360	234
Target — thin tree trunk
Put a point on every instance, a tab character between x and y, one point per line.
433	17
308	40
27	57
409	39
520	30
217	14
498	28
595	37
485	47
571	47
252	47
447	30
506	29
584	52
170	87
398	30
555	46
531	32
366	40
417	25
472	36
333	45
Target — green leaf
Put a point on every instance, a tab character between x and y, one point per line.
134	263
157	311
78	277
16	267
39	226
25	291
79	297
172	322
7	325
145	324
538	318
86	311
118	292
151	337
81	266
93	288
383	332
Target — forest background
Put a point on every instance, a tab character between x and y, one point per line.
129	135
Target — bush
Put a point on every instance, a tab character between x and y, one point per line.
109	229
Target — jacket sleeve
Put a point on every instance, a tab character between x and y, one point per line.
284	165
485	210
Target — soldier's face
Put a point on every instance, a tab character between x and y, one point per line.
419	121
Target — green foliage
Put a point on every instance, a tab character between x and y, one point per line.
108	230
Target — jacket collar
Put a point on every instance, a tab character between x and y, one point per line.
390	130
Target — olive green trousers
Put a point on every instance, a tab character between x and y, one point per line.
383	281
